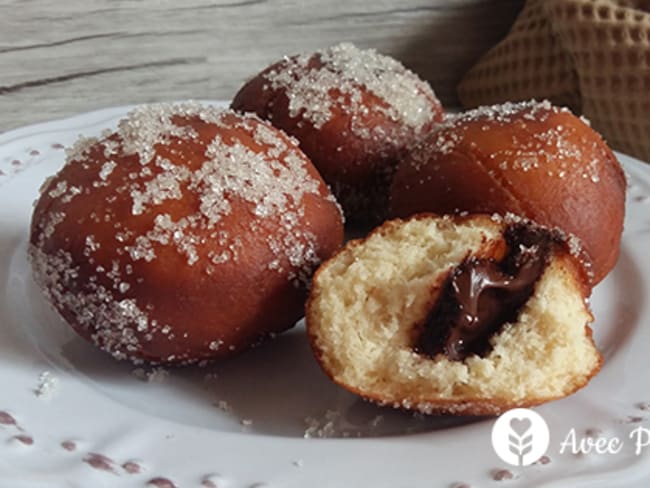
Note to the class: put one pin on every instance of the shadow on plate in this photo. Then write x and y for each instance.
(275, 389)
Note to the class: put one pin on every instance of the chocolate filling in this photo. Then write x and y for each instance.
(480, 295)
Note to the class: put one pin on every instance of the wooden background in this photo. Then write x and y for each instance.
(60, 57)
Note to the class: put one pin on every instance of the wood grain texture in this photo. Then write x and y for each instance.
(61, 58)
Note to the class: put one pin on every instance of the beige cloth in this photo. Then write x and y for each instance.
(591, 55)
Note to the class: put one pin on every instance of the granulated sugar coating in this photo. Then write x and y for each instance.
(309, 81)
(189, 226)
(524, 155)
(355, 113)
(528, 158)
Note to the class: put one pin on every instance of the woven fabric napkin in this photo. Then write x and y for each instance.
(590, 55)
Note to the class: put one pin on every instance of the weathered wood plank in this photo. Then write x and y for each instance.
(60, 58)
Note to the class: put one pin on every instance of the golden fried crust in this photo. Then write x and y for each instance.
(173, 276)
(531, 159)
(356, 136)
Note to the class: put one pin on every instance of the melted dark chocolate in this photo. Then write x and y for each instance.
(480, 295)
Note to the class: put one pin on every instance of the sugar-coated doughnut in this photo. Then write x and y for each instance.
(529, 158)
(187, 234)
(355, 113)
(465, 315)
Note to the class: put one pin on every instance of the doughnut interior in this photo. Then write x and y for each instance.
(367, 300)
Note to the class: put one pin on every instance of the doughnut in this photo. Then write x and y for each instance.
(187, 234)
(355, 113)
(468, 315)
(528, 158)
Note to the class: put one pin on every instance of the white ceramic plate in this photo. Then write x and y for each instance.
(91, 422)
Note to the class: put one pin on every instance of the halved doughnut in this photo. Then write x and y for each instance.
(465, 315)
